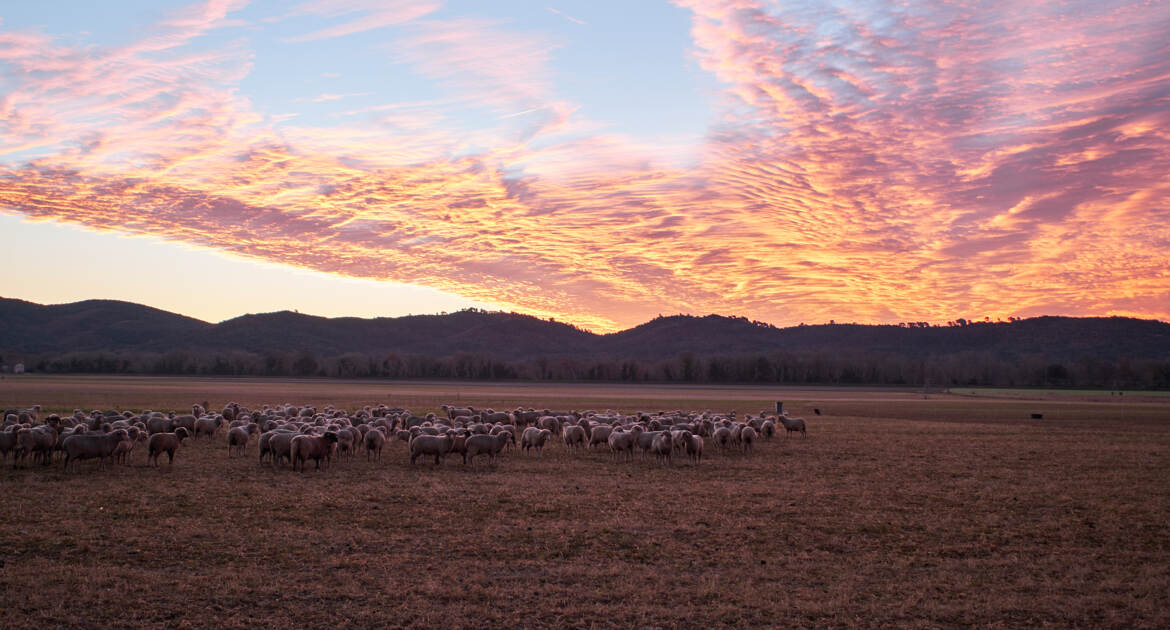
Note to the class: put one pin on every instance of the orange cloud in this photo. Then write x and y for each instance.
(884, 164)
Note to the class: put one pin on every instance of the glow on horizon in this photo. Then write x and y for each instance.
(197, 282)
(804, 161)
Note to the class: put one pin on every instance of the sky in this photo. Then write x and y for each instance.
(600, 163)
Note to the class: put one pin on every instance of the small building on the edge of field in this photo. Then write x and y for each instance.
(18, 368)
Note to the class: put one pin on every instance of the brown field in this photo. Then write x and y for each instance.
(895, 511)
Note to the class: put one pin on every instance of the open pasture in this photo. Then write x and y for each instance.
(894, 511)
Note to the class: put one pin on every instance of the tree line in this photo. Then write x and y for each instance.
(978, 369)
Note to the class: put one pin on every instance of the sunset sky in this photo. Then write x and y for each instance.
(596, 162)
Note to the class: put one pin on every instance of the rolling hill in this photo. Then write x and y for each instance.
(110, 325)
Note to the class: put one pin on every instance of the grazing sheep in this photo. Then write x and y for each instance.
(315, 447)
(573, 435)
(374, 441)
(165, 443)
(491, 444)
(768, 429)
(437, 445)
(87, 446)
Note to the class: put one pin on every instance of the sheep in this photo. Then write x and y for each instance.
(280, 446)
(452, 412)
(122, 452)
(207, 425)
(599, 435)
(374, 440)
(7, 443)
(437, 445)
(37, 441)
(722, 438)
(549, 422)
(573, 436)
(347, 440)
(695, 448)
(490, 444)
(525, 418)
(499, 417)
(645, 440)
(624, 442)
(792, 425)
(86, 446)
(500, 428)
(747, 439)
(768, 429)
(663, 446)
(534, 438)
(158, 425)
(187, 421)
(239, 437)
(312, 447)
(459, 442)
(264, 444)
(165, 443)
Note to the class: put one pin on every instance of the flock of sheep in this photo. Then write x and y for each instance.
(296, 434)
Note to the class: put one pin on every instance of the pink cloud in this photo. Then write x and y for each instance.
(372, 15)
(874, 162)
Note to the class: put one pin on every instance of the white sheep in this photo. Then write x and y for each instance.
(792, 425)
(534, 439)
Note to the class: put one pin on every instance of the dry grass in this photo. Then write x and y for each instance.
(894, 511)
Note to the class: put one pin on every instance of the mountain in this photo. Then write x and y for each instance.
(109, 325)
(92, 325)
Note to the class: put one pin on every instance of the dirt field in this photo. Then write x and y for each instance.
(895, 511)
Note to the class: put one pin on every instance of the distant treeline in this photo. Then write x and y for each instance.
(795, 368)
